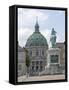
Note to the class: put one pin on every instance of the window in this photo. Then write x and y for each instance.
(43, 52)
(37, 53)
(41, 68)
(40, 62)
(32, 68)
(36, 68)
(54, 58)
(33, 63)
(37, 62)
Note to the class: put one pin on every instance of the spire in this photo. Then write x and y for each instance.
(36, 25)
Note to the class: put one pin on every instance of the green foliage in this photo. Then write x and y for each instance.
(27, 59)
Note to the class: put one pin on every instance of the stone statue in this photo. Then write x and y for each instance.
(53, 38)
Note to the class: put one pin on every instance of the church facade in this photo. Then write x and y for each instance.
(39, 53)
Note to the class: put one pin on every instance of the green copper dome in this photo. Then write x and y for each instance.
(36, 39)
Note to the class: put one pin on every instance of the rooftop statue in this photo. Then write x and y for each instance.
(53, 38)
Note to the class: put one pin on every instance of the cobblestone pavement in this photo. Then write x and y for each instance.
(39, 78)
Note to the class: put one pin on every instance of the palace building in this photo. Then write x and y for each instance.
(40, 55)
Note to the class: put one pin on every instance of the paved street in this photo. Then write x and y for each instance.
(39, 78)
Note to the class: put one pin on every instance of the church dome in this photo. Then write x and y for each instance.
(36, 39)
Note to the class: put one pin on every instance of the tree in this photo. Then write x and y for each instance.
(27, 61)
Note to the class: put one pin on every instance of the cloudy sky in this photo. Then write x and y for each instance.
(47, 20)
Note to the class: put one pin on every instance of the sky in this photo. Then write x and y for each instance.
(47, 19)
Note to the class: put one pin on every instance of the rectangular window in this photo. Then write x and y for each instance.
(43, 52)
(33, 63)
(32, 68)
(36, 68)
(41, 68)
(37, 62)
(37, 53)
(41, 62)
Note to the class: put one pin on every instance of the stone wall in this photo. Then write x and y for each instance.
(21, 63)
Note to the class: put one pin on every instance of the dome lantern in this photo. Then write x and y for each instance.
(36, 25)
(36, 39)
